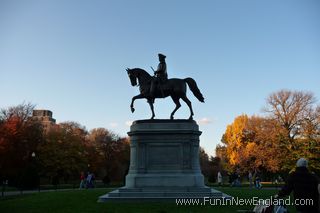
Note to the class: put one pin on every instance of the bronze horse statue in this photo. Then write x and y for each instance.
(174, 87)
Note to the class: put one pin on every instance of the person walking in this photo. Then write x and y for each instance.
(257, 180)
(82, 180)
(89, 180)
(250, 178)
(219, 178)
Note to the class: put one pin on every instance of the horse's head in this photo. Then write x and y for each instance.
(138, 75)
(132, 76)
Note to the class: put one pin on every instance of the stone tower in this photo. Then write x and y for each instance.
(45, 118)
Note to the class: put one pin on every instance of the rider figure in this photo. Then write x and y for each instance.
(160, 74)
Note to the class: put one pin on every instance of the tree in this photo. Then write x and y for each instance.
(62, 152)
(210, 166)
(22, 111)
(235, 140)
(250, 141)
(290, 109)
(221, 153)
(263, 144)
(296, 115)
(113, 152)
(204, 162)
(275, 142)
(19, 138)
(62, 155)
(308, 143)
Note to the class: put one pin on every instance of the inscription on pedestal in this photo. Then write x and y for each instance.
(164, 157)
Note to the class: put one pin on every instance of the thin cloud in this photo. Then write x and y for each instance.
(204, 121)
(113, 124)
(128, 123)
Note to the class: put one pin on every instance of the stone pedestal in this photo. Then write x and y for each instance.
(164, 163)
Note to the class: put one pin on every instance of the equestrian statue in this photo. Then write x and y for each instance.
(159, 86)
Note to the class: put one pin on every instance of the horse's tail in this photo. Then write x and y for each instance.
(194, 89)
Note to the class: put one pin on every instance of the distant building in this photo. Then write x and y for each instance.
(45, 118)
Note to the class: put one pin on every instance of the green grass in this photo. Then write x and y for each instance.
(246, 184)
(86, 201)
(98, 184)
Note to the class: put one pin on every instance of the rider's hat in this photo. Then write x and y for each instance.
(161, 56)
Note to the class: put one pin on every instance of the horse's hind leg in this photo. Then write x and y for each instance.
(188, 102)
(178, 105)
(150, 101)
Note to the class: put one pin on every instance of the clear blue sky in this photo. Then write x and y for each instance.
(70, 56)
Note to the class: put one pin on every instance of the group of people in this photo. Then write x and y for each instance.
(254, 179)
(235, 179)
(87, 181)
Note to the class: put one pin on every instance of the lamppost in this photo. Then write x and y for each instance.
(33, 155)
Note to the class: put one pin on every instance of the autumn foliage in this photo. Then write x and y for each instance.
(28, 154)
(289, 130)
(270, 143)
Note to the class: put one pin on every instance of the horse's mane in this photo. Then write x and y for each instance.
(142, 71)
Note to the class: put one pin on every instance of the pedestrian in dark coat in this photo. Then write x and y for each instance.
(304, 186)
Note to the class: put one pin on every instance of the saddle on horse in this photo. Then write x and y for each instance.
(158, 87)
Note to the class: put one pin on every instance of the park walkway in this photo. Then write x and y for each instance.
(24, 192)
(12, 193)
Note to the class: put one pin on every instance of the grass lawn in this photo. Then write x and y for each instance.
(86, 201)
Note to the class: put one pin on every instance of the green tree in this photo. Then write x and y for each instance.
(113, 153)
(63, 154)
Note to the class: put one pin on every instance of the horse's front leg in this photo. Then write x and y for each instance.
(133, 99)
